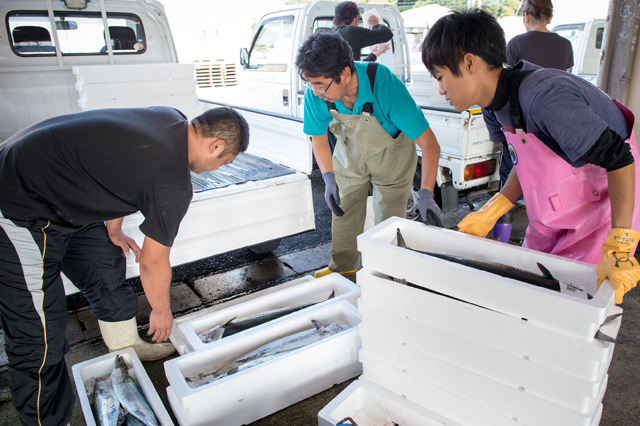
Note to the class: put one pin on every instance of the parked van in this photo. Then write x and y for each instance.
(586, 41)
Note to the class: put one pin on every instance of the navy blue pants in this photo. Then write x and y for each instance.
(34, 309)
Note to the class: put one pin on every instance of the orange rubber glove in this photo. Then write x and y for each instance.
(481, 222)
(617, 262)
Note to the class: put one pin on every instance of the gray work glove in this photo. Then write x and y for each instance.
(331, 195)
(429, 211)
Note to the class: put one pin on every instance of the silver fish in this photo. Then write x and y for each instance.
(105, 404)
(129, 420)
(269, 351)
(202, 380)
(285, 344)
(129, 395)
(234, 325)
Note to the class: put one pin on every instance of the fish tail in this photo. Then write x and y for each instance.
(400, 239)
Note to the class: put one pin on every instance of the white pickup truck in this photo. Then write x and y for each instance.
(269, 81)
(54, 60)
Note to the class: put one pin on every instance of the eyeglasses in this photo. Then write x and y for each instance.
(322, 92)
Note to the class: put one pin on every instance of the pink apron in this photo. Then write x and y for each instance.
(568, 207)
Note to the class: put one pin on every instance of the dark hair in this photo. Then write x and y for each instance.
(346, 12)
(539, 9)
(458, 33)
(226, 124)
(324, 55)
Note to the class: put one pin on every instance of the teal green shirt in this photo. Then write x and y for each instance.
(393, 106)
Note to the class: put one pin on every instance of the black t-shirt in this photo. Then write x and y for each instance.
(99, 165)
(548, 50)
(359, 37)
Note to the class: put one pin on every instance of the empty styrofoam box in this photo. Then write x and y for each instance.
(178, 101)
(370, 405)
(512, 401)
(586, 359)
(282, 395)
(316, 291)
(385, 334)
(324, 354)
(102, 366)
(90, 74)
(547, 308)
(454, 406)
(135, 89)
(179, 340)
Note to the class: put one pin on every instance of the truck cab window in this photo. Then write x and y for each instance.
(78, 33)
(271, 49)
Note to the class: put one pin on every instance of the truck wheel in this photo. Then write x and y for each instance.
(413, 212)
(266, 247)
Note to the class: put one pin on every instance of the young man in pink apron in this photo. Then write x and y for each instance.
(573, 148)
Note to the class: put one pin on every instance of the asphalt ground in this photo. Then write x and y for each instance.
(220, 278)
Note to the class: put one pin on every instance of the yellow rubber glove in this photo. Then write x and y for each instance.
(617, 262)
(481, 222)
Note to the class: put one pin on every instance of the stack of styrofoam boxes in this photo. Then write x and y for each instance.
(256, 392)
(496, 351)
(102, 367)
(137, 86)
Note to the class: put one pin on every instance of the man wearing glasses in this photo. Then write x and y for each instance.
(376, 122)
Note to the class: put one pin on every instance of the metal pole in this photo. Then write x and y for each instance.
(54, 30)
(107, 33)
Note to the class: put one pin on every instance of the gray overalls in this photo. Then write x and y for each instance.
(364, 154)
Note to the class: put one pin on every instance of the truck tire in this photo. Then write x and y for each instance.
(266, 247)
(413, 213)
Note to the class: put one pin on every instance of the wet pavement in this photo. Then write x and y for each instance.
(221, 278)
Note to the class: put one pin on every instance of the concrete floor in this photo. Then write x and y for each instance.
(621, 402)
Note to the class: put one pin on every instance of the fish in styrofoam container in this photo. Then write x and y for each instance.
(129, 395)
(275, 347)
(234, 325)
(104, 402)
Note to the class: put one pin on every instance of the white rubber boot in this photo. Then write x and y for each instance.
(124, 334)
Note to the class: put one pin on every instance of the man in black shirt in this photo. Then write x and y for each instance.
(67, 174)
(346, 24)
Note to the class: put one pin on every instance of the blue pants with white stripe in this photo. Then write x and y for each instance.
(34, 311)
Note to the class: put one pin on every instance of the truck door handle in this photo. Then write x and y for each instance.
(285, 97)
(300, 97)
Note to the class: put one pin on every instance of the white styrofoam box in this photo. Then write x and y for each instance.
(102, 366)
(136, 72)
(316, 291)
(547, 308)
(223, 220)
(179, 341)
(282, 395)
(510, 400)
(370, 405)
(586, 359)
(324, 354)
(450, 404)
(179, 102)
(135, 89)
(429, 396)
(380, 327)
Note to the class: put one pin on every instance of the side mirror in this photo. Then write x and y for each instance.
(244, 58)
